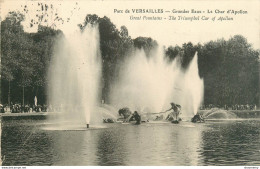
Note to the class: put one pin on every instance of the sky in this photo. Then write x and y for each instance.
(166, 32)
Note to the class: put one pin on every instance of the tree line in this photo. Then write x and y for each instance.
(230, 68)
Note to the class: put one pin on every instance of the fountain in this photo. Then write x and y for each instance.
(146, 84)
(193, 87)
(150, 84)
(217, 114)
(74, 77)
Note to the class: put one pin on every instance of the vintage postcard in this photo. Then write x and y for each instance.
(130, 83)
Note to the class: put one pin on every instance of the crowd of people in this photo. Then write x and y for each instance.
(230, 107)
(19, 108)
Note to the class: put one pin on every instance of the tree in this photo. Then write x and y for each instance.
(188, 53)
(173, 52)
(25, 58)
(230, 70)
(90, 19)
(11, 30)
(147, 44)
(44, 14)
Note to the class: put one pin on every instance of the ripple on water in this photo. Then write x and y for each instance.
(226, 143)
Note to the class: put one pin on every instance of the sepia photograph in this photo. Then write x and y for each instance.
(130, 83)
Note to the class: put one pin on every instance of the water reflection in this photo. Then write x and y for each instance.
(111, 147)
(229, 143)
(186, 144)
(68, 147)
(20, 143)
(149, 145)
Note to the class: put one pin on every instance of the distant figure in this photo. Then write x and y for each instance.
(2, 108)
(136, 117)
(174, 115)
(50, 108)
(26, 108)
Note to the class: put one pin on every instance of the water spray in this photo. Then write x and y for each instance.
(75, 74)
(154, 83)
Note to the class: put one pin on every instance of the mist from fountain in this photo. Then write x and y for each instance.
(193, 87)
(74, 76)
(150, 84)
(146, 84)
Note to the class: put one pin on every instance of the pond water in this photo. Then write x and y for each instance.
(226, 142)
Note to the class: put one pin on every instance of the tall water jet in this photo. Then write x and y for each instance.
(74, 76)
(145, 82)
(149, 84)
(193, 86)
